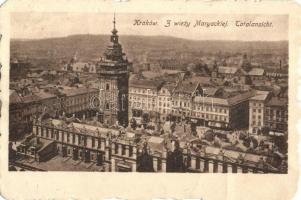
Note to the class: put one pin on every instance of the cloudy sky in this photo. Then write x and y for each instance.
(47, 25)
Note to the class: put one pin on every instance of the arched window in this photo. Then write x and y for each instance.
(107, 86)
(107, 106)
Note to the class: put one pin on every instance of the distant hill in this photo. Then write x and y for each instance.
(93, 46)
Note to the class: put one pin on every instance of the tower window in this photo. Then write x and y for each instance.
(107, 86)
(107, 106)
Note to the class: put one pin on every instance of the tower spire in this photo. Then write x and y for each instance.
(114, 31)
(114, 22)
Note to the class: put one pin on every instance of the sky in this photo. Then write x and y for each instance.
(36, 25)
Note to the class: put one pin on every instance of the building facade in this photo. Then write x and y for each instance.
(276, 115)
(143, 100)
(120, 151)
(257, 105)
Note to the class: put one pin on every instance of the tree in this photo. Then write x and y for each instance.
(265, 130)
(209, 136)
(133, 123)
(175, 160)
(145, 119)
(145, 161)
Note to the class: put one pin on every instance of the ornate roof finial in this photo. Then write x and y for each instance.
(114, 22)
(114, 31)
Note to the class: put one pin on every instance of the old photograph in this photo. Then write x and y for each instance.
(125, 92)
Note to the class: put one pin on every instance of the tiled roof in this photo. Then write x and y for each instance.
(260, 95)
(187, 87)
(224, 101)
(147, 84)
(275, 101)
(169, 86)
(210, 91)
(78, 91)
(240, 97)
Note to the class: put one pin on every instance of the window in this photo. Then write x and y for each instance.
(131, 151)
(98, 143)
(107, 86)
(93, 142)
(116, 148)
(79, 139)
(123, 150)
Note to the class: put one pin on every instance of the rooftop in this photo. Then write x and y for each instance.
(187, 87)
(146, 84)
(276, 101)
(260, 95)
(256, 72)
(227, 70)
(77, 91)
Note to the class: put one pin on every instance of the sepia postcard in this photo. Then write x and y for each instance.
(185, 98)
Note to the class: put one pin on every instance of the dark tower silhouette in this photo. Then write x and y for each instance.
(114, 81)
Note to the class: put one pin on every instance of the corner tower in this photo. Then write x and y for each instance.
(114, 83)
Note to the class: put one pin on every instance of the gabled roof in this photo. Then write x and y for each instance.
(187, 87)
(168, 86)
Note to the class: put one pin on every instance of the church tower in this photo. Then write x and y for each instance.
(113, 83)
